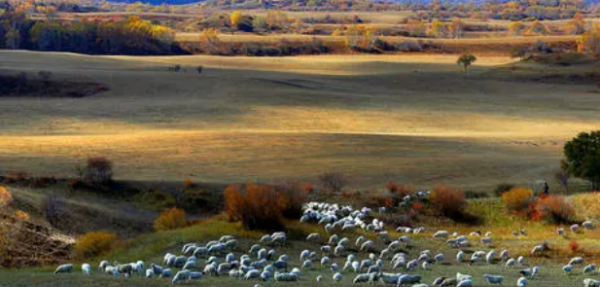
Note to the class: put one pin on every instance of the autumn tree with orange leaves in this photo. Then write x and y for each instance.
(256, 206)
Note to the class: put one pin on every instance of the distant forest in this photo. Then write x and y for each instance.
(133, 36)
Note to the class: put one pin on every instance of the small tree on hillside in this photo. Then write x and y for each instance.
(465, 60)
(582, 157)
(562, 176)
(333, 181)
(99, 171)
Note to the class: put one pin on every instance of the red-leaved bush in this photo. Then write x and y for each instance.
(449, 201)
(256, 206)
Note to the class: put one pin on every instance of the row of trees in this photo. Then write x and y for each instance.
(133, 36)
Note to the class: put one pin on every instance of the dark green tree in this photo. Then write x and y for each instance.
(582, 157)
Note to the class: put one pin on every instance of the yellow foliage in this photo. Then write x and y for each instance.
(516, 28)
(517, 199)
(170, 219)
(589, 42)
(22, 215)
(5, 198)
(94, 244)
(236, 18)
(587, 205)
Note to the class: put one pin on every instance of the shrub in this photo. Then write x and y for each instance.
(155, 198)
(449, 201)
(173, 218)
(188, 183)
(502, 188)
(99, 171)
(256, 206)
(5, 198)
(518, 199)
(93, 244)
(574, 246)
(554, 209)
(333, 181)
(296, 195)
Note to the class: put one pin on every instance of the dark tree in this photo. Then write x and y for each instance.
(333, 181)
(582, 157)
(98, 171)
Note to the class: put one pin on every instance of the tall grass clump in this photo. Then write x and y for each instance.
(587, 205)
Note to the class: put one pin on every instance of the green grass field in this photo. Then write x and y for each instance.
(414, 119)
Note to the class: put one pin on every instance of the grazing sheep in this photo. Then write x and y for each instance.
(522, 282)
(102, 265)
(449, 282)
(86, 269)
(149, 273)
(182, 275)
(537, 249)
(337, 277)
(567, 268)
(589, 268)
(493, 279)
(576, 260)
(285, 277)
(560, 231)
(443, 234)
(465, 283)
(313, 237)
(510, 262)
(486, 240)
(65, 268)
(460, 256)
(167, 273)
(408, 279)
(361, 278)
(574, 228)
(588, 282)
(438, 281)
(588, 225)
(252, 274)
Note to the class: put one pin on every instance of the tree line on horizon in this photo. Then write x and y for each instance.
(132, 36)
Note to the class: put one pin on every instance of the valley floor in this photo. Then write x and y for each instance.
(414, 119)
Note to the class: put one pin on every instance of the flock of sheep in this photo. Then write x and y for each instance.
(363, 258)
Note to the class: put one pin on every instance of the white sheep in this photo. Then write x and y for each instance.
(86, 269)
(493, 279)
(522, 282)
(65, 268)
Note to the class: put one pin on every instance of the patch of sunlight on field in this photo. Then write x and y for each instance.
(323, 65)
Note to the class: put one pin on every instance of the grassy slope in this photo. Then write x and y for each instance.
(414, 119)
(151, 248)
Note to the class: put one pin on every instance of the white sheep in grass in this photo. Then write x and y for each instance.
(462, 277)
(574, 228)
(361, 278)
(438, 281)
(167, 273)
(441, 234)
(493, 279)
(304, 255)
(149, 273)
(408, 279)
(65, 268)
(486, 240)
(313, 237)
(465, 283)
(285, 277)
(337, 277)
(319, 278)
(325, 261)
(588, 225)
(367, 246)
(86, 269)
(588, 282)
(567, 268)
(589, 268)
(560, 231)
(536, 249)
(576, 260)
(503, 254)
(489, 257)
(439, 258)
(306, 264)
(460, 256)
(182, 275)
(522, 282)
(510, 262)
(252, 274)
(412, 265)
(521, 260)
(102, 265)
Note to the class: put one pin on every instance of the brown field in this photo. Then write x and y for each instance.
(414, 119)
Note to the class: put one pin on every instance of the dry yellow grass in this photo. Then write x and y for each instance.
(414, 119)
